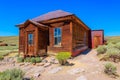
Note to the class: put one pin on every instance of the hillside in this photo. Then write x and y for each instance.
(10, 39)
(113, 39)
(4, 50)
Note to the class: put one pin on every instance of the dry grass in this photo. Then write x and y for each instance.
(4, 50)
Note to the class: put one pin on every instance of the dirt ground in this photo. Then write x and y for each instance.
(83, 67)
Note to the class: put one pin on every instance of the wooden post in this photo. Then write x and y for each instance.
(36, 41)
(71, 35)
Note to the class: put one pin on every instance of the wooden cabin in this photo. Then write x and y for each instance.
(97, 38)
(54, 32)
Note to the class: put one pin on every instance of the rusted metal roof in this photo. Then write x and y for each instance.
(52, 15)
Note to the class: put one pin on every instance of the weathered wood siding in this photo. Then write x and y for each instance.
(43, 42)
(80, 36)
(66, 40)
(21, 40)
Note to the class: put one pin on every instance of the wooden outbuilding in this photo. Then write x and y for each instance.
(97, 38)
(54, 32)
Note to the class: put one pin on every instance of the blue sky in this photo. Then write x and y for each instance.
(97, 14)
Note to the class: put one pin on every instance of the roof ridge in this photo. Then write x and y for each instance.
(52, 15)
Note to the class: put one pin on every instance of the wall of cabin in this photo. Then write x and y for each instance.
(66, 40)
(80, 36)
(21, 40)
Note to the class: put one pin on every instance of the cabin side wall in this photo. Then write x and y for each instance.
(21, 41)
(66, 39)
(80, 36)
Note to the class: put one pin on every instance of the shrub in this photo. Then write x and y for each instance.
(117, 46)
(20, 59)
(1, 58)
(27, 59)
(32, 60)
(14, 74)
(101, 49)
(62, 57)
(113, 52)
(38, 59)
(110, 45)
(110, 69)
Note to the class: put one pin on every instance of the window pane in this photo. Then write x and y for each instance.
(59, 40)
(30, 39)
(57, 36)
(56, 41)
(59, 32)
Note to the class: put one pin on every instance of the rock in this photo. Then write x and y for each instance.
(26, 78)
(95, 72)
(76, 71)
(52, 60)
(26, 64)
(56, 62)
(40, 64)
(36, 75)
(3, 44)
(55, 70)
(11, 59)
(21, 64)
(81, 78)
(47, 64)
(44, 61)
(42, 58)
(6, 60)
(12, 44)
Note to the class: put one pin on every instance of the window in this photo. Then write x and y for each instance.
(57, 36)
(30, 39)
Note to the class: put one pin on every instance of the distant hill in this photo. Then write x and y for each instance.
(10, 39)
(113, 39)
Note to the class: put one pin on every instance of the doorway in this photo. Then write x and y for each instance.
(30, 43)
(96, 41)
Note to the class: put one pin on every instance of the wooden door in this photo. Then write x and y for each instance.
(96, 41)
(30, 43)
